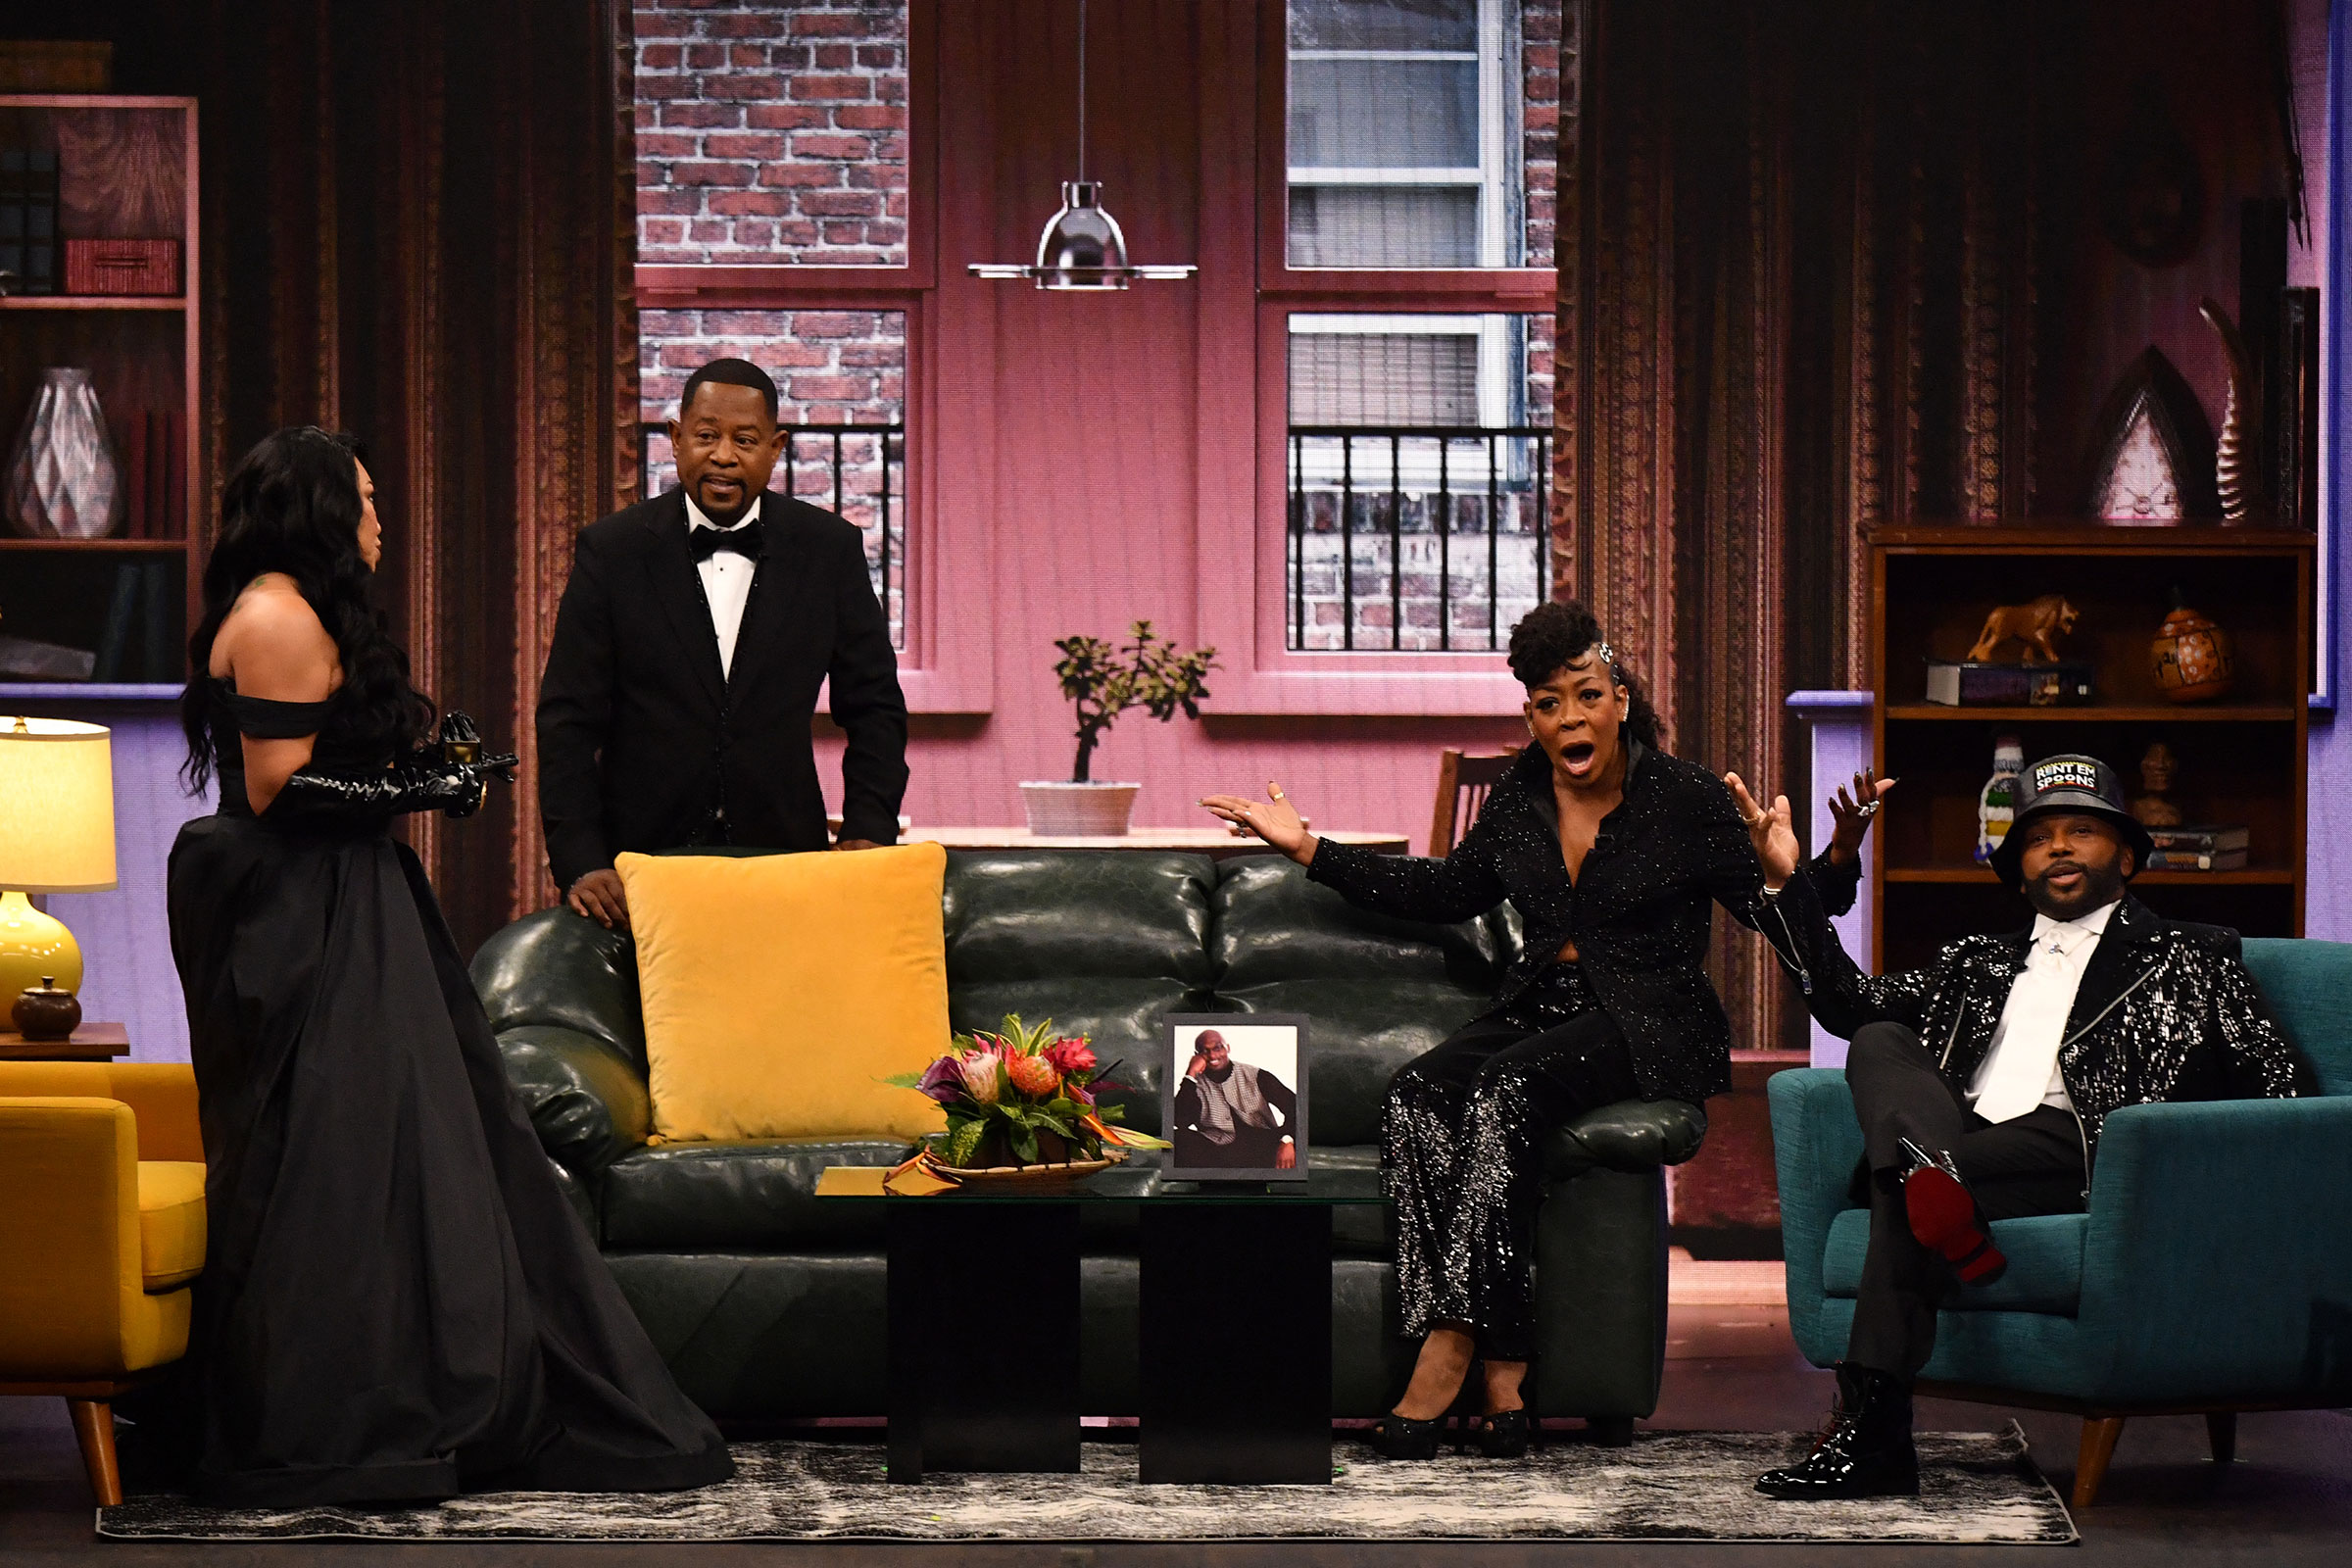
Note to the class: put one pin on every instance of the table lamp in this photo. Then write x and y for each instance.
(57, 835)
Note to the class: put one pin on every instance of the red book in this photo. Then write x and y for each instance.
(133, 471)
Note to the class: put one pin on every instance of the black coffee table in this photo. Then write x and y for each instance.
(1233, 1340)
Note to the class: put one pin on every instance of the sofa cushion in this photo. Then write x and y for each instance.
(1104, 944)
(171, 1222)
(1270, 923)
(743, 1195)
(780, 990)
(1378, 990)
(2045, 1263)
(2309, 985)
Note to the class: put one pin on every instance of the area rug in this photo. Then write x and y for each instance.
(1975, 1487)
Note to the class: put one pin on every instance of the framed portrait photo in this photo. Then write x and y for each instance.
(1233, 1095)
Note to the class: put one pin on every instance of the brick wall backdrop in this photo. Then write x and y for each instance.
(771, 132)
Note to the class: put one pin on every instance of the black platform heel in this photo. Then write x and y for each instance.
(1505, 1435)
(1402, 1437)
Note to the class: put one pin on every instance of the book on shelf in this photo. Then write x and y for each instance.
(39, 272)
(133, 449)
(163, 660)
(114, 636)
(12, 214)
(2201, 838)
(172, 524)
(2197, 860)
(1967, 683)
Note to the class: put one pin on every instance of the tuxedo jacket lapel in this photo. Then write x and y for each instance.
(2115, 963)
(675, 584)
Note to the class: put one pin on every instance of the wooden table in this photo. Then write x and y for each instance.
(92, 1041)
(1214, 842)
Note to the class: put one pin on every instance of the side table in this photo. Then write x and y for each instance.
(1234, 1337)
(92, 1041)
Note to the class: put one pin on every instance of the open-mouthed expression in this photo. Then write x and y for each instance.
(2072, 863)
(726, 445)
(1575, 716)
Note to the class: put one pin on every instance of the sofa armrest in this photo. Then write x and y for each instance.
(70, 1231)
(1814, 1143)
(2218, 1259)
(1632, 1135)
(587, 1100)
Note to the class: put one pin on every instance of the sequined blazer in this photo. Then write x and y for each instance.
(1637, 909)
(2166, 1011)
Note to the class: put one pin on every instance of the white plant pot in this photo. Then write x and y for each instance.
(1078, 810)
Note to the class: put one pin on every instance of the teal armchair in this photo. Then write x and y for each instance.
(2212, 1275)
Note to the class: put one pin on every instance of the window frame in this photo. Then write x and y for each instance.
(943, 669)
(1248, 521)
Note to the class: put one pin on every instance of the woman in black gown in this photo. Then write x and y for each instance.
(398, 1302)
(1613, 851)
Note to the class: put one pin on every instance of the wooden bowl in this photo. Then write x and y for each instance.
(1001, 1178)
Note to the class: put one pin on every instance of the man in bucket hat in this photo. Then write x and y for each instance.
(1981, 1080)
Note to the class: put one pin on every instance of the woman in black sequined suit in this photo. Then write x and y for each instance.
(1613, 853)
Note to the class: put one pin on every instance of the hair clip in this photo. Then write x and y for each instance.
(1608, 655)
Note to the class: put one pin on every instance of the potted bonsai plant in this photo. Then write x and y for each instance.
(1102, 681)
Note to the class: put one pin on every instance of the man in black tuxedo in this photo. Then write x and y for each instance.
(1983, 1080)
(688, 653)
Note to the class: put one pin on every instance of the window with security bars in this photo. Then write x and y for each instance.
(1418, 470)
(1422, 138)
(841, 377)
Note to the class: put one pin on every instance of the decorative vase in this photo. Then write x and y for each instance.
(44, 1012)
(63, 481)
(2191, 655)
(1078, 810)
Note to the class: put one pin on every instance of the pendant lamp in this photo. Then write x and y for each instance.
(1082, 246)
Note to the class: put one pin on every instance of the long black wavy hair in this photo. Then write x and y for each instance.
(1554, 635)
(293, 504)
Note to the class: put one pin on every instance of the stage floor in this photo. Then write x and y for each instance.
(2286, 1501)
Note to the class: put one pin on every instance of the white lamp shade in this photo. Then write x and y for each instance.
(57, 807)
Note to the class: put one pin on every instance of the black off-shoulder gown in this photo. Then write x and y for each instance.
(398, 1301)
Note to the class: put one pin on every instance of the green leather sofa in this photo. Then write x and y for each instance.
(767, 1302)
(2212, 1274)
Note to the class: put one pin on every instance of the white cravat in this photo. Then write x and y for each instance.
(2021, 1070)
(726, 582)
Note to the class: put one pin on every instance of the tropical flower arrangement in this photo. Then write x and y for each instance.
(1024, 1095)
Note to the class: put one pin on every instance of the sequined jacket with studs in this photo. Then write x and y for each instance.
(2166, 1011)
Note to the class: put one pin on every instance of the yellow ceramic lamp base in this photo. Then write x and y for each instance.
(33, 944)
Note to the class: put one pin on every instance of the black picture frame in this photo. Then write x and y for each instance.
(1251, 1036)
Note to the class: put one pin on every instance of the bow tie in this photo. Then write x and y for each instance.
(743, 539)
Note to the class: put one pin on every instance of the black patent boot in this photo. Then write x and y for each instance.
(1867, 1452)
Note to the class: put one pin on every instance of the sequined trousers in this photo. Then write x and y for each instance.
(1461, 1154)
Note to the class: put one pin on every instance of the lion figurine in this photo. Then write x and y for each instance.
(2037, 625)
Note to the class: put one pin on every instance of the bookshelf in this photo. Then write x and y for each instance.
(127, 169)
(2241, 758)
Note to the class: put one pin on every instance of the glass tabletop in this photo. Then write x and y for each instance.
(1138, 1181)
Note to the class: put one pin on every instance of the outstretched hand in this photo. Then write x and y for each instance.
(1770, 830)
(1273, 820)
(1853, 815)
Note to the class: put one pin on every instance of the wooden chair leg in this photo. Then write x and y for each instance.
(94, 1429)
(2220, 1427)
(2091, 1463)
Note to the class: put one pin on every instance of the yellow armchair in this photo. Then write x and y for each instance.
(101, 1230)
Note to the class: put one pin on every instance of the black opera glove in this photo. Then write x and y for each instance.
(320, 797)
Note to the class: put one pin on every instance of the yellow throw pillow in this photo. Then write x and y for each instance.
(779, 988)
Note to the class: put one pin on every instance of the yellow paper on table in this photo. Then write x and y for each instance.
(779, 989)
